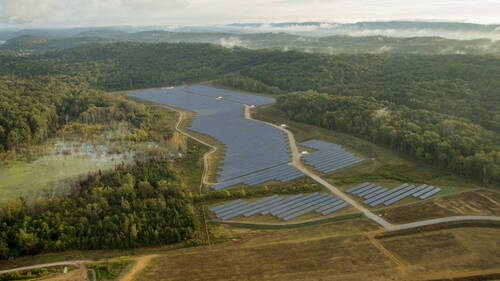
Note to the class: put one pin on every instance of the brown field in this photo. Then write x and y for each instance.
(335, 251)
(345, 250)
(454, 250)
(480, 202)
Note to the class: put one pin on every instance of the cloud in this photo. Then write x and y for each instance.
(196, 12)
(231, 42)
(83, 12)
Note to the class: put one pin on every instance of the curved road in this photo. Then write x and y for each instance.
(213, 149)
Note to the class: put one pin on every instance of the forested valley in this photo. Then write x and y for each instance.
(442, 109)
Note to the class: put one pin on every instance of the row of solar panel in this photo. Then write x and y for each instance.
(233, 96)
(375, 195)
(329, 157)
(285, 209)
(250, 146)
(282, 173)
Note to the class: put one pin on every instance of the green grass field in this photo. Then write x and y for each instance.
(46, 175)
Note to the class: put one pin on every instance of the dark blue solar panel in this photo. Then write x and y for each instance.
(404, 195)
(369, 191)
(228, 95)
(352, 189)
(383, 194)
(370, 186)
(217, 208)
(380, 191)
(280, 207)
(336, 202)
(319, 200)
(287, 202)
(430, 193)
(316, 205)
(336, 208)
(425, 190)
(250, 146)
(329, 157)
(392, 195)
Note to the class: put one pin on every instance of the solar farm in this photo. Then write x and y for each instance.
(255, 152)
(329, 157)
(283, 208)
(375, 195)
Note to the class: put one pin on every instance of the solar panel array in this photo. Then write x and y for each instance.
(329, 157)
(250, 146)
(375, 195)
(227, 95)
(282, 173)
(280, 207)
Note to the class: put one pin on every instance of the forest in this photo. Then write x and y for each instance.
(31, 42)
(138, 206)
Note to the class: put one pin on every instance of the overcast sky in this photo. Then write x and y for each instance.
(196, 12)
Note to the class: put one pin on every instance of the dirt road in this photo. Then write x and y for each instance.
(141, 263)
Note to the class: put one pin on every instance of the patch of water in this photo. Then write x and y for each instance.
(99, 153)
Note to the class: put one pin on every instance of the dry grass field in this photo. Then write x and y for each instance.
(335, 251)
(479, 202)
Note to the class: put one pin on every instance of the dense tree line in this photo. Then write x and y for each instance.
(143, 205)
(120, 66)
(460, 85)
(454, 143)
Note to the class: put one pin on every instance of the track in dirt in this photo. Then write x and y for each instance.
(141, 263)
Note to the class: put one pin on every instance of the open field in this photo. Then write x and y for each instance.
(48, 174)
(449, 251)
(478, 202)
(335, 251)
(341, 250)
